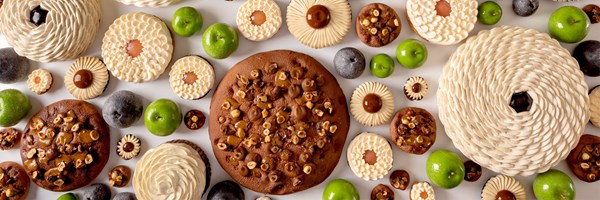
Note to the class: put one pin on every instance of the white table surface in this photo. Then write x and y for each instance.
(224, 11)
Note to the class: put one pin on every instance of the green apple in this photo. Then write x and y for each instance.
(14, 105)
(489, 13)
(186, 21)
(411, 53)
(67, 196)
(340, 189)
(553, 184)
(382, 65)
(569, 24)
(162, 117)
(445, 169)
(220, 41)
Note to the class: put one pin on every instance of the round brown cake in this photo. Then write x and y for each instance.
(278, 122)
(65, 145)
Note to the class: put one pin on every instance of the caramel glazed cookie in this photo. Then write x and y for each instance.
(279, 122)
(50, 31)
(65, 145)
(14, 182)
(377, 25)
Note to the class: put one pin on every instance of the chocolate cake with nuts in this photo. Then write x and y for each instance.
(65, 145)
(14, 182)
(278, 122)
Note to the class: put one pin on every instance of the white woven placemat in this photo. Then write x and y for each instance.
(475, 91)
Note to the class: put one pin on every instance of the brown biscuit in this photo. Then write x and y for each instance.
(413, 130)
(65, 145)
(14, 182)
(9, 138)
(377, 25)
(202, 155)
(278, 122)
(584, 159)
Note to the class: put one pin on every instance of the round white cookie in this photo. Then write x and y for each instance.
(437, 28)
(192, 77)
(339, 20)
(370, 156)
(259, 20)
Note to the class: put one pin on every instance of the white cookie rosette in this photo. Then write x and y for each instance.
(370, 142)
(268, 28)
(436, 29)
(203, 77)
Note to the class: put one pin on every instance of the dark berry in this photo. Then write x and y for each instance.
(525, 8)
(13, 67)
(587, 54)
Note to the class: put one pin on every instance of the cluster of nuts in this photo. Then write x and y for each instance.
(593, 12)
(473, 171)
(6, 189)
(382, 192)
(415, 130)
(589, 162)
(378, 24)
(400, 179)
(119, 176)
(9, 137)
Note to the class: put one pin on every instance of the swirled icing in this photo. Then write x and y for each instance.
(70, 28)
(420, 188)
(201, 86)
(39, 81)
(333, 33)
(148, 3)
(595, 106)
(172, 171)
(442, 30)
(379, 145)
(499, 183)
(265, 30)
(100, 78)
(156, 53)
(372, 119)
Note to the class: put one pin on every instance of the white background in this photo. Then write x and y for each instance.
(223, 11)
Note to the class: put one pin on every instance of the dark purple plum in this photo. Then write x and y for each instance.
(122, 109)
(13, 67)
(525, 8)
(349, 63)
(587, 54)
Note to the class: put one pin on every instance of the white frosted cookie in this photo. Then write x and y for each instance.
(415, 88)
(39, 81)
(513, 100)
(372, 104)
(595, 106)
(503, 187)
(137, 47)
(148, 3)
(86, 78)
(370, 156)
(422, 191)
(259, 20)
(50, 31)
(192, 77)
(319, 23)
(444, 22)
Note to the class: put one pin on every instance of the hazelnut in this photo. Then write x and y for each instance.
(291, 169)
(373, 31)
(366, 22)
(273, 176)
(58, 120)
(240, 94)
(240, 133)
(222, 146)
(266, 132)
(585, 156)
(280, 119)
(265, 113)
(59, 182)
(304, 157)
(250, 142)
(266, 125)
(308, 168)
(385, 32)
(226, 105)
(327, 105)
(309, 105)
(309, 85)
(31, 153)
(271, 68)
(295, 139)
(275, 149)
(243, 170)
(301, 134)
(235, 113)
(243, 81)
(256, 173)
(79, 163)
(285, 155)
(374, 19)
(296, 181)
(585, 165)
(318, 113)
(251, 165)
(10, 192)
(591, 177)
(89, 159)
(376, 13)
(239, 153)
(267, 138)
(233, 141)
(255, 74)
(396, 22)
(333, 128)
(321, 144)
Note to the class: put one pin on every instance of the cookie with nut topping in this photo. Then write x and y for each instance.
(65, 145)
(378, 25)
(413, 130)
(278, 122)
(584, 159)
(14, 182)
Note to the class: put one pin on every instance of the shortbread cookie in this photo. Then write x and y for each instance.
(50, 31)
(372, 104)
(137, 47)
(595, 106)
(378, 25)
(39, 81)
(370, 156)
(129, 147)
(192, 77)
(259, 20)
(86, 78)
(148, 3)
(503, 187)
(443, 22)
(501, 102)
(319, 23)
(415, 88)
(421, 191)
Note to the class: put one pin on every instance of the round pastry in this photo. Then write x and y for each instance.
(65, 145)
(317, 23)
(503, 187)
(372, 104)
(50, 31)
(400, 179)
(595, 106)
(421, 191)
(259, 20)
(192, 77)
(443, 22)
(413, 130)
(194, 119)
(473, 171)
(178, 169)
(14, 182)
(510, 109)
(278, 122)
(119, 176)
(148, 3)
(377, 25)
(415, 88)
(584, 158)
(129, 147)
(137, 47)
(370, 156)
(86, 78)
(382, 192)
(9, 138)
(97, 191)
(39, 81)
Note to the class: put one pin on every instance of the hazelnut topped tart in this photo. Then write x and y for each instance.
(319, 23)
(259, 20)
(87, 78)
(14, 182)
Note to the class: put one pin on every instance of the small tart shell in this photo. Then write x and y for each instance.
(99, 82)
(127, 155)
(157, 47)
(205, 77)
(339, 23)
(418, 95)
(264, 31)
(502, 182)
(44, 81)
(380, 146)
(421, 187)
(595, 106)
(372, 119)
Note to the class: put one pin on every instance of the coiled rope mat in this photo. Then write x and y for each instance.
(69, 30)
(475, 91)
